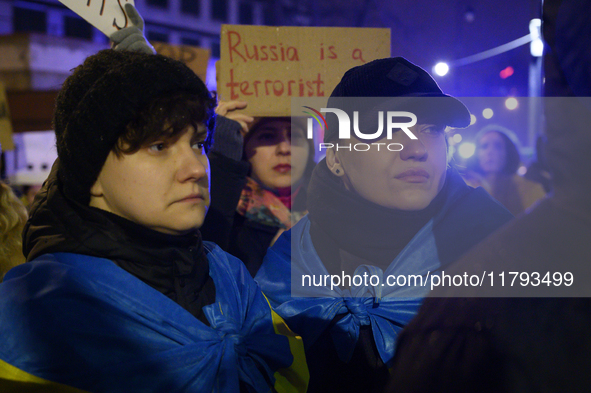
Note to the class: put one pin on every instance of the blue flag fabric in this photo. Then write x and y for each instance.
(83, 322)
(309, 316)
(467, 217)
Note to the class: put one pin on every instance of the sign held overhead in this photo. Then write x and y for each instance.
(106, 15)
(267, 66)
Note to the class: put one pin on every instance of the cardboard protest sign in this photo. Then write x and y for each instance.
(192, 56)
(267, 66)
(5, 125)
(106, 15)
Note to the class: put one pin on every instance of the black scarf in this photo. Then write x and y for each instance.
(343, 220)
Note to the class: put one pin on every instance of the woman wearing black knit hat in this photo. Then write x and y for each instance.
(386, 212)
(119, 292)
(260, 172)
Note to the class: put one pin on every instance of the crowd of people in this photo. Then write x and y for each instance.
(166, 249)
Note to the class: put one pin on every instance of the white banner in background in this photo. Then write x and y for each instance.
(106, 15)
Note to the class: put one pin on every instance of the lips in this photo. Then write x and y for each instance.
(282, 168)
(192, 198)
(413, 176)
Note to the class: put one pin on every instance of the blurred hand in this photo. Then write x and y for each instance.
(132, 38)
(229, 109)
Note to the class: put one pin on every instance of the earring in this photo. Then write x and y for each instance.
(338, 171)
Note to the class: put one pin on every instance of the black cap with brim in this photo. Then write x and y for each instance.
(411, 87)
(440, 109)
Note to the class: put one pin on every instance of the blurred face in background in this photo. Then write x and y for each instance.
(278, 153)
(492, 153)
(408, 179)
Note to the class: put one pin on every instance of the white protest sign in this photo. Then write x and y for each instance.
(106, 15)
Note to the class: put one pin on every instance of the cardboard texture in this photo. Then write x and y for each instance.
(5, 126)
(194, 57)
(267, 66)
(106, 15)
(31, 110)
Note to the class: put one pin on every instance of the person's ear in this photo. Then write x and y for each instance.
(334, 163)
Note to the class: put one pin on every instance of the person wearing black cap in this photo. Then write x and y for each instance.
(378, 212)
(119, 292)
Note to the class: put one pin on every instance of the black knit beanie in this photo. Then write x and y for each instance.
(98, 101)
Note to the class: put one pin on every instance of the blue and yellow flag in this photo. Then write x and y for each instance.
(74, 323)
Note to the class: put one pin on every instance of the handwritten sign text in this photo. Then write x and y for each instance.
(267, 66)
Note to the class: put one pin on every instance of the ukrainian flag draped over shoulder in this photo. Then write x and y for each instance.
(467, 216)
(309, 316)
(85, 323)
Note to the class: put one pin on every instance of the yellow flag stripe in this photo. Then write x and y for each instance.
(15, 380)
(295, 378)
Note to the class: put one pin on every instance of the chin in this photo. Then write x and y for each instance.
(187, 224)
(181, 230)
(414, 202)
(279, 184)
(412, 206)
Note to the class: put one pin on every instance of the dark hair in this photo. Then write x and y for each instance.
(512, 158)
(167, 116)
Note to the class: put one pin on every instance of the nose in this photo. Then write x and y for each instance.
(192, 165)
(413, 149)
(284, 145)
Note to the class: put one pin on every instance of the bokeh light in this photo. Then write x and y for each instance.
(487, 113)
(511, 103)
(441, 69)
(466, 149)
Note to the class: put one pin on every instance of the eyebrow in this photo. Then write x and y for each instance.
(171, 135)
(201, 132)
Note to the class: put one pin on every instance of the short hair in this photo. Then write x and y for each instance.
(167, 116)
